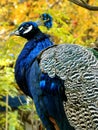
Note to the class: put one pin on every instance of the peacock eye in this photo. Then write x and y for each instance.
(26, 26)
(27, 29)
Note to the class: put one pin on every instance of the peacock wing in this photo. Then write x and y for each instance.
(78, 68)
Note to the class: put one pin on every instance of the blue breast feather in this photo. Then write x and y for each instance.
(27, 56)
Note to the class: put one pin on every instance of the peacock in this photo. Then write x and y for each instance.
(61, 79)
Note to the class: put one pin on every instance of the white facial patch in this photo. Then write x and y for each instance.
(28, 30)
(20, 28)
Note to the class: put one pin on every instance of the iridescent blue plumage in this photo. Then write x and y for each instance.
(46, 92)
(48, 20)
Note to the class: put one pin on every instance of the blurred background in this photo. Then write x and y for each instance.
(71, 24)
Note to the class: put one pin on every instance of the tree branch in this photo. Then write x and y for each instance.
(84, 4)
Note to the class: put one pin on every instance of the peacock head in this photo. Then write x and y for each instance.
(26, 30)
(29, 29)
(45, 20)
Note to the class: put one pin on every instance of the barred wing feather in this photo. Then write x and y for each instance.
(78, 68)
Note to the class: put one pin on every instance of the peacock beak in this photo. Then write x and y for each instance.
(16, 32)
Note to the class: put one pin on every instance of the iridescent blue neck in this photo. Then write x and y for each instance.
(30, 51)
(33, 48)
